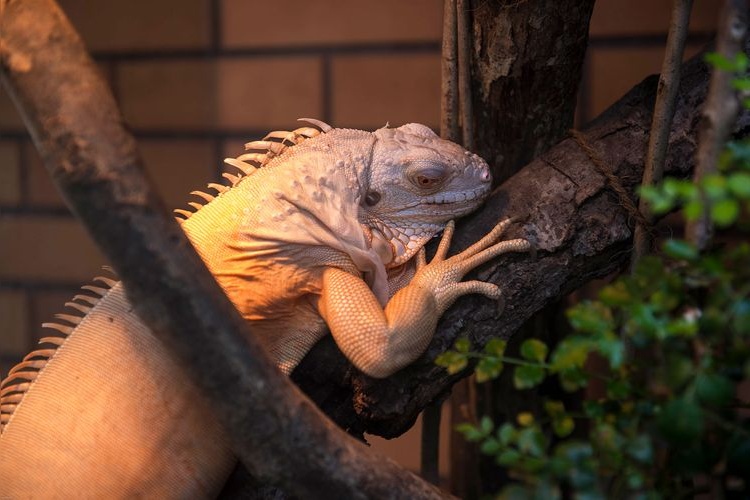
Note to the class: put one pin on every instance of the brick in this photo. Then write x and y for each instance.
(127, 25)
(10, 173)
(175, 94)
(633, 17)
(370, 91)
(42, 191)
(615, 71)
(14, 328)
(267, 93)
(302, 22)
(53, 249)
(9, 117)
(178, 167)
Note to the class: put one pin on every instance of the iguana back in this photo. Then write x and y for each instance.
(323, 236)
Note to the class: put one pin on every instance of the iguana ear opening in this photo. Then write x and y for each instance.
(372, 198)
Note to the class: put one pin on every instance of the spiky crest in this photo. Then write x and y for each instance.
(261, 152)
(22, 376)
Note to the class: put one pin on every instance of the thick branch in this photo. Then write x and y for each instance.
(581, 232)
(276, 431)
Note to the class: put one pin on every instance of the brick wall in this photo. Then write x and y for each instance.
(196, 78)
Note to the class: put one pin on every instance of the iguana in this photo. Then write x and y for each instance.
(323, 229)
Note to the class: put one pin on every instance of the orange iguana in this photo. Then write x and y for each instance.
(327, 236)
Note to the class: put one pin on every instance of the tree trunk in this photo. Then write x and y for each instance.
(526, 69)
(526, 66)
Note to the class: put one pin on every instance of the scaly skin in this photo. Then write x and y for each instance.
(328, 234)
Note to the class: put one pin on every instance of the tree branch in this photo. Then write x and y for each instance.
(719, 111)
(73, 119)
(580, 229)
(661, 124)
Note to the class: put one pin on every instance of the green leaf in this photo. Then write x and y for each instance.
(531, 441)
(659, 200)
(488, 368)
(719, 61)
(563, 426)
(470, 432)
(534, 350)
(679, 369)
(640, 449)
(496, 347)
(724, 212)
(616, 294)
(486, 425)
(713, 390)
(741, 317)
(526, 377)
(693, 209)
(490, 446)
(571, 352)
(741, 84)
(614, 350)
(618, 389)
(715, 186)
(508, 457)
(525, 418)
(591, 317)
(683, 327)
(554, 408)
(506, 433)
(739, 184)
(681, 421)
(740, 62)
(680, 249)
(452, 361)
(593, 409)
(573, 379)
(462, 345)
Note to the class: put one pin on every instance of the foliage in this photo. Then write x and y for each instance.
(674, 338)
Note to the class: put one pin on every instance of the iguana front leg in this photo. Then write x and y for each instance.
(381, 341)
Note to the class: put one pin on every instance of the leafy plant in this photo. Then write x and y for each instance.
(674, 338)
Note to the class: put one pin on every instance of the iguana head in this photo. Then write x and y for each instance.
(417, 183)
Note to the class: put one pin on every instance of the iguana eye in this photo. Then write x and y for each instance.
(428, 178)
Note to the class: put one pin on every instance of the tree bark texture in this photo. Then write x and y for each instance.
(578, 226)
(279, 434)
(527, 61)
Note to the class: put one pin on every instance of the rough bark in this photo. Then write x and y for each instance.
(578, 226)
(279, 434)
(527, 65)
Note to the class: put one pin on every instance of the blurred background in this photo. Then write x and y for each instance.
(196, 79)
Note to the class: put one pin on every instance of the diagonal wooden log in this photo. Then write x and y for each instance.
(581, 230)
(278, 434)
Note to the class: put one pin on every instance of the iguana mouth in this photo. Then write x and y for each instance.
(452, 198)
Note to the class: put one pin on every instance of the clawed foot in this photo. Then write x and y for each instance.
(443, 275)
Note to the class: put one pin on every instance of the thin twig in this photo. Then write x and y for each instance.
(464, 73)
(449, 68)
(661, 124)
(719, 112)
